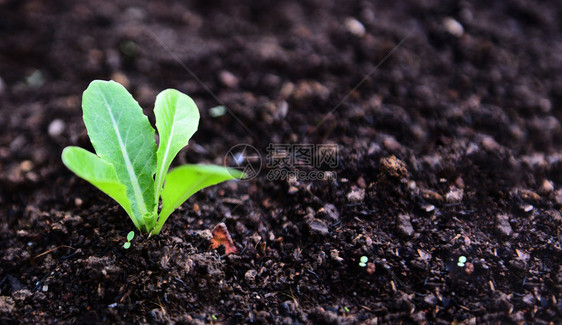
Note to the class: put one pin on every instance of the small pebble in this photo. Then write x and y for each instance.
(454, 195)
(529, 195)
(405, 227)
(318, 227)
(120, 78)
(36, 79)
(293, 189)
(217, 111)
(330, 212)
(502, 225)
(430, 299)
(356, 195)
(251, 275)
(361, 182)
(371, 268)
(26, 166)
(394, 167)
(355, 27)
(228, 79)
(56, 127)
(529, 299)
(547, 186)
(334, 254)
(453, 27)
(21, 294)
(431, 196)
(490, 144)
(428, 207)
(469, 268)
(282, 110)
(7, 304)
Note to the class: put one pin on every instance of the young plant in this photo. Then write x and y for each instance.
(128, 166)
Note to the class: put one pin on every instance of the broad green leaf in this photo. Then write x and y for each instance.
(99, 173)
(184, 181)
(177, 119)
(122, 136)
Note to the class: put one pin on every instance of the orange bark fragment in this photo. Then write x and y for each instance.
(222, 237)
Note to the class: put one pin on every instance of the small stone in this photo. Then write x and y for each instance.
(355, 27)
(502, 225)
(489, 144)
(547, 186)
(205, 234)
(361, 182)
(56, 127)
(251, 275)
(78, 202)
(405, 227)
(330, 212)
(282, 110)
(134, 13)
(36, 79)
(307, 89)
(121, 78)
(318, 227)
(391, 144)
(453, 27)
(6, 304)
(428, 207)
(228, 79)
(558, 196)
(217, 111)
(529, 299)
(286, 90)
(431, 196)
(394, 167)
(356, 195)
(334, 254)
(371, 268)
(469, 268)
(430, 299)
(20, 295)
(529, 195)
(454, 195)
(26, 166)
(545, 105)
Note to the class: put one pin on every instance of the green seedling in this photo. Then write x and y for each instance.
(461, 262)
(128, 166)
(363, 261)
(130, 237)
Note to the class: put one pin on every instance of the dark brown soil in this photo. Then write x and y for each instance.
(452, 147)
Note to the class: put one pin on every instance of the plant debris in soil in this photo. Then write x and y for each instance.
(445, 208)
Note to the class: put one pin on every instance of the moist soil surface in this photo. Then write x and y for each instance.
(446, 117)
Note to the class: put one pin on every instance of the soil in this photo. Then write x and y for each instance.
(447, 120)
